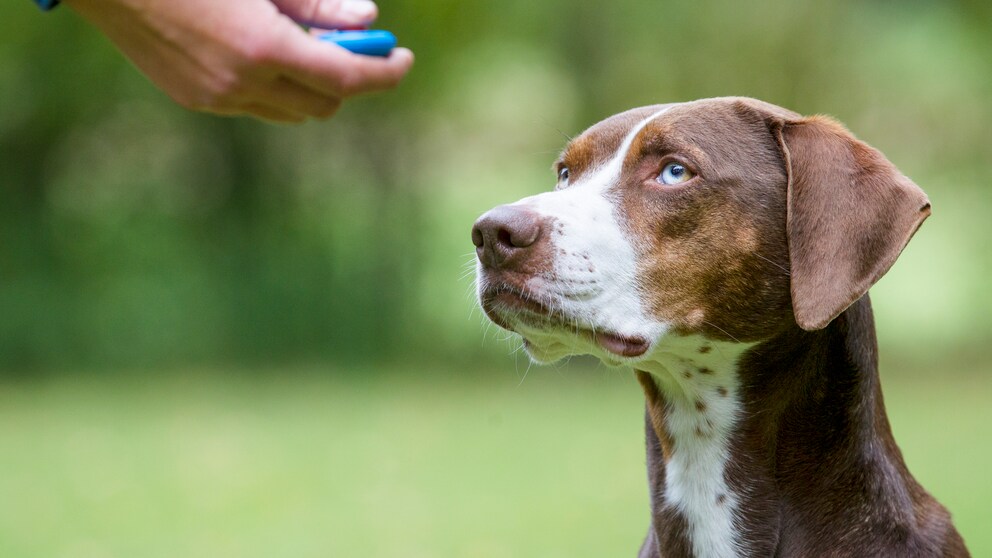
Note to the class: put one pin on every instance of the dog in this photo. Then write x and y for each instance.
(723, 249)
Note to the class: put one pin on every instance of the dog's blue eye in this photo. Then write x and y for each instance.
(674, 173)
(563, 175)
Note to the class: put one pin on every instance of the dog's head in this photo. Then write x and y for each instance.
(725, 218)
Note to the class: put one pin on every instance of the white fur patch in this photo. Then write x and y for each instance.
(595, 265)
(703, 408)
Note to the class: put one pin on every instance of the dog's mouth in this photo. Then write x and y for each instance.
(520, 311)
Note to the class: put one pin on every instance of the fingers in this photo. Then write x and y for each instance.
(330, 14)
(260, 111)
(273, 114)
(286, 101)
(297, 98)
(332, 70)
(280, 100)
(289, 76)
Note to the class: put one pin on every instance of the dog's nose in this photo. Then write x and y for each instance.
(505, 232)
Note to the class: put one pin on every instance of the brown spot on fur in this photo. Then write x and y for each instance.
(705, 349)
(706, 371)
(700, 405)
(721, 499)
(687, 374)
(696, 318)
(722, 391)
(747, 238)
(701, 433)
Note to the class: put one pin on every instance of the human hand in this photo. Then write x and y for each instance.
(247, 57)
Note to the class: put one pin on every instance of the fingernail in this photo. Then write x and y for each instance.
(359, 9)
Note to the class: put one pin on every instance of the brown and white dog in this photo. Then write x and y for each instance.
(723, 249)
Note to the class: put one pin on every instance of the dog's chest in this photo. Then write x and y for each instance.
(698, 386)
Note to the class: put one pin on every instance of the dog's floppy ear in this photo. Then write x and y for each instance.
(850, 214)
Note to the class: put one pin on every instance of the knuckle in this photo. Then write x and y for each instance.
(219, 93)
(224, 87)
(258, 48)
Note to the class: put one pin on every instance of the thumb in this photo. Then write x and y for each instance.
(330, 14)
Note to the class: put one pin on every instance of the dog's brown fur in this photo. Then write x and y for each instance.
(775, 241)
(766, 251)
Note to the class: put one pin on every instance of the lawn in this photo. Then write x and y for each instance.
(404, 463)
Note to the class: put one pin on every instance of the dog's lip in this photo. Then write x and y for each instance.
(614, 343)
(520, 300)
(630, 347)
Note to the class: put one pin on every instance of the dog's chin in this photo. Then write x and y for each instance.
(550, 336)
(546, 353)
(549, 347)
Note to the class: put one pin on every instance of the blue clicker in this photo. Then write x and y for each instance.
(370, 42)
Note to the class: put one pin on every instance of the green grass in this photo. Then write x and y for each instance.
(412, 463)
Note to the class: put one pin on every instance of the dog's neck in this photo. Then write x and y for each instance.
(755, 449)
(694, 409)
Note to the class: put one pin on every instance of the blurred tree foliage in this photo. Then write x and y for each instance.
(136, 234)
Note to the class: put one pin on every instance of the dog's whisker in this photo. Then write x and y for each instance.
(567, 137)
(721, 330)
(784, 269)
(526, 372)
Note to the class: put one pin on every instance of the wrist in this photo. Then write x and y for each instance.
(46, 4)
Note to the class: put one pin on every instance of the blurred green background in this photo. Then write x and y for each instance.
(224, 338)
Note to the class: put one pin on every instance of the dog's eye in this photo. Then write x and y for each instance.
(563, 175)
(674, 173)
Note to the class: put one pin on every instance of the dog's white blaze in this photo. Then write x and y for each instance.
(695, 482)
(594, 260)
